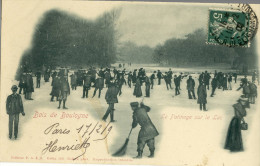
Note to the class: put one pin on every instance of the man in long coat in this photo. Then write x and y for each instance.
(73, 81)
(225, 82)
(148, 131)
(152, 77)
(207, 78)
(99, 85)
(214, 84)
(111, 99)
(38, 79)
(253, 92)
(55, 87)
(159, 76)
(29, 86)
(86, 84)
(129, 79)
(64, 91)
(167, 79)
(107, 77)
(22, 83)
(202, 96)
(134, 76)
(137, 89)
(190, 87)
(177, 85)
(147, 86)
(14, 106)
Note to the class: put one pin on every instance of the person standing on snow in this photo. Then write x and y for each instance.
(148, 131)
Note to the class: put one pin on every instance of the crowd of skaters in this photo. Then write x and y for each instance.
(101, 78)
(114, 79)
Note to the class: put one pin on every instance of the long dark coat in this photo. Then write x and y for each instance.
(137, 89)
(87, 81)
(207, 78)
(202, 94)
(234, 138)
(22, 82)
(64, 86)
(253, 90)
(55, 87)
(190, 84)
(148, 130)
(134, 77)
(29, 83)
(73, 79)
(246, 90)
(99, 83)
(107, 77)
(224, 83)
(111, 94)
(214, 83)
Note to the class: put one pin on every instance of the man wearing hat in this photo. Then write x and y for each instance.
(38, 79)
(86, 84)
(55, 87)
(202, 96)
(111, 99)
(177, 85)
(148, 131)
(99, 85)
(147, 86)
(129, 79)
(159, 76)
(152, 77)
(190, 87)
(214, 84)
(22, 83)
(14, 106)
(134, 76)
(167, 80)
(73, 81)
(107, 77)
(64, 91)
(29, 86)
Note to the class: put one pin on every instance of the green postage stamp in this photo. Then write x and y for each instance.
(228, 27)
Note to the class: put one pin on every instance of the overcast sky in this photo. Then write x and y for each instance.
(153, 24)
(145, 23)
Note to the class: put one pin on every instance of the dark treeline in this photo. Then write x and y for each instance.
(130, 52)
(62, 39)
(193, 51)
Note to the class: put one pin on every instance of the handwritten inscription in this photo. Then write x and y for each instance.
(89, 132)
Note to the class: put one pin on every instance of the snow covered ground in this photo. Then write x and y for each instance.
(188, 136)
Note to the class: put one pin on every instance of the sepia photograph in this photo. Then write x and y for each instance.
(130, 83)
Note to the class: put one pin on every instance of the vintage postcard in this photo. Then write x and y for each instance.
(130, 83)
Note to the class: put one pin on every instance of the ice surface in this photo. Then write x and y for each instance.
(203, 140)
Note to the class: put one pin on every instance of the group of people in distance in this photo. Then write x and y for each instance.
(114, 79)
(101, 78)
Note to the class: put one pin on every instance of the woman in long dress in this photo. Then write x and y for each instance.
(137, 89)
(202, 96)
(234, 141)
